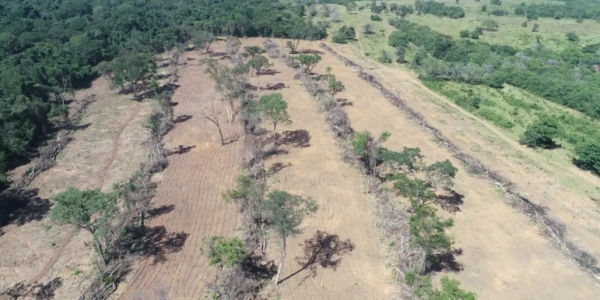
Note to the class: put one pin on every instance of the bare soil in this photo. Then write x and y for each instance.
(498, 254)
(107, 148)
(189, 193)
(310, 165)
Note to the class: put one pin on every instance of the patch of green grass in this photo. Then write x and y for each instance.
(511, 32)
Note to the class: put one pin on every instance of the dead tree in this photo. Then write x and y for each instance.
(213, 117)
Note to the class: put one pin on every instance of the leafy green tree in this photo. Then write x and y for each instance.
(416, 190)
(132, 68)
(224, 252)
(309, 61)
(409, 160)
(400, 55)
(285, 213)
(333, 85)
(203, 40)
(253, 51)
(441, 174)
(588, 156)
(90, 210)
(344, 35)
(429, 231)
(490, 25)
(450, 288)
(465, 33)
(258, 63)
(274, 108)
(572, 36)
(541, 133)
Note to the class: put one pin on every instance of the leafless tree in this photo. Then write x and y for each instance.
(213, 117)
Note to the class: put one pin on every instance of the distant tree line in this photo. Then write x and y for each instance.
(51, 47)
(575, 9)
(439, 9)
(570, 77)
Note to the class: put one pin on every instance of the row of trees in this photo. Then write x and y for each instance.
(577, 9)
(420, 184)
(568, 77)
(439, 9)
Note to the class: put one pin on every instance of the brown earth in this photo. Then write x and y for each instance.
(312, 167)
(107, 148)
(564, 190)
(501, 255)
(190, 189)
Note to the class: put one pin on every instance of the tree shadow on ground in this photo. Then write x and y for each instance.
(258, 268)
(161, 210)
(37, 292)
(447, 262)
(46, 291)
(154, 242)
(450, 203)
(148, 93)
(311, 51)
(274, 152)
(268, 72)
(276, 167)
(182, 118)
(324, 250)
(297, 138)
(275, 87)
(182, 149)
(20, 206)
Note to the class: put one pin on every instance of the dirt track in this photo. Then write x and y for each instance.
(190, 189)
(501, 251)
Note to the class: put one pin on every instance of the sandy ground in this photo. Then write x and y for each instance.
(191, 188)
(315, 169)
(502, 255)
(565, 199)
(106, 150)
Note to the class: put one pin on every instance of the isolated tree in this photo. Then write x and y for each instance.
(540, 133)
(90, 210)
(571, 36)
(285, 213)
(213, 117)
(333, 85)
(536, 28)
(258, 63)
(490, 25)
(465, 33)
(273, 108)
(367, 29)
(309, 61)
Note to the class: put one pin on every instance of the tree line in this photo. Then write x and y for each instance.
(50, 48)
(574, 9)
(570, 77)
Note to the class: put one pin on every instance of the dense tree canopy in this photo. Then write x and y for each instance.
(47, 45)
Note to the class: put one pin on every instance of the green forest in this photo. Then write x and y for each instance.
(53, 46)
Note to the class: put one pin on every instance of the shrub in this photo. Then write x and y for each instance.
(588, 156)
(540, 133)
(384, 57)
(465, 33)
(376, 18)
(344, 34)
(572, 36)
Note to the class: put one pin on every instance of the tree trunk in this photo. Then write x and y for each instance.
(282, 262)
(258, 80)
